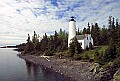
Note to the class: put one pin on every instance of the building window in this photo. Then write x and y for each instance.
(90, 38)
(81, 43)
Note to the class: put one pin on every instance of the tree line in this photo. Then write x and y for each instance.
(113, 39)
(59, 41)
(48, 44)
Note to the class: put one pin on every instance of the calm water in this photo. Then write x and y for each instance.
(13, 68)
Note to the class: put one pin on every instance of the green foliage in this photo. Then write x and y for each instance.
(49, 44)
(87, 48)
(91, 53)
(77, 57)
(103, 57)
(84, 30)
(72, 49)
(88, 29)
(28, 39)
(29, 47)
(85, 56)
(104, 36)
(110, 22)
(48, 53)
(118, 51)
(96, 56)
(101, 36)
(75, 47)
(78, 32)
(95, 33)
(111, 36)
(35, 39)
(90, 46)
(116, 62)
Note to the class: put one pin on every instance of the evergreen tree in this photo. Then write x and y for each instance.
(56, 41)
(84, 30)
(113, 24)
(72, 49)
(95, 33)
(78, 32)
(113, 50)
(90, 46)
(104, 36)
(110, 22)
(44, 43)
(29, 46)
(88, 29)
(28, 40)
(35, 38)
(117, 24)
(75, 47)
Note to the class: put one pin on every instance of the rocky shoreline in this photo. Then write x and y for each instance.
(75, 70)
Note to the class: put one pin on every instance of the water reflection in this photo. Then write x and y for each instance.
(39, 73)
(13, 68)
(34, 71)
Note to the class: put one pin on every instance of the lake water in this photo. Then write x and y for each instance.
(13, 68)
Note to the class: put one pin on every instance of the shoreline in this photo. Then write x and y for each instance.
(75, 70)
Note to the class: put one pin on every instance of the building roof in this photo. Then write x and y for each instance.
(80, 37)
(72, 19)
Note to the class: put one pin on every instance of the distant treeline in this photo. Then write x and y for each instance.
(9, 46)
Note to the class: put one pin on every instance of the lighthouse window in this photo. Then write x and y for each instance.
(87, 38)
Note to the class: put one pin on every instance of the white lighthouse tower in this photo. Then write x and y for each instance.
(72, 30)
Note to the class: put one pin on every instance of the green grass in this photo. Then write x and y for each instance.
(92, 52)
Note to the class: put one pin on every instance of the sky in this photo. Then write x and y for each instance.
(20, 17)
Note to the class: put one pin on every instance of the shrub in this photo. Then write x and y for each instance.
(90, 46)
(87, 47)
(85, 56)
(96, 56)
(116, 62)
(77, 57)
(48, 53)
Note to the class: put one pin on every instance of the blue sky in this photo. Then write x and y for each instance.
(20, 17)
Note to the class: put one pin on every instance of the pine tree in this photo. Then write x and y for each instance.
(35, 38)
(28, 40)
(104, 36)
(113, 24)
(88, 29)
(78, 32)
(110, 22)
(75, 47)
(84, 30)
(90, 46)
(95, 32)
(44, 43)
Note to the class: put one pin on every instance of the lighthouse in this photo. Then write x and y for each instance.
(72, 30)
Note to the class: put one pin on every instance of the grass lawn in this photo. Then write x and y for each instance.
(92, 52)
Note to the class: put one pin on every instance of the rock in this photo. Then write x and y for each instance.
(116, 76)
(94, 68)
(105, 73)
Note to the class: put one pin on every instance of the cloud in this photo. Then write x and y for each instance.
(20, 17)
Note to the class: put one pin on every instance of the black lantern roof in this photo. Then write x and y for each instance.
(72, 19)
